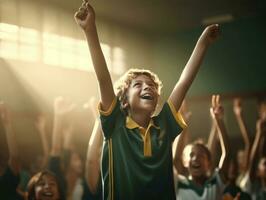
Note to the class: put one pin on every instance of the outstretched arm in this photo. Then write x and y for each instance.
(11, 139)
(208, 36)
(213, 139)
(85, 18)
(61, 108)
(68, 134)
(243, 129)
(94, 152)
(217, 113)
(260, 134)
(182, 141)
(93, 157)
(40, 123)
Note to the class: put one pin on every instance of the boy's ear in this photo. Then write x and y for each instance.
(125, 105)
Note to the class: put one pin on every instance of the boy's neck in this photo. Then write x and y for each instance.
(231, 182)
(199, 181)
(142, 119)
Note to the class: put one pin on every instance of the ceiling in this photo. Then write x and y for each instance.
(169, 15)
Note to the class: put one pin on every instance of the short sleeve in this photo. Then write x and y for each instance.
(171, 120)
(108, 118)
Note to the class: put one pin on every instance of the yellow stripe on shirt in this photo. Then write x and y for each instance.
(109, 110)
(178, 117)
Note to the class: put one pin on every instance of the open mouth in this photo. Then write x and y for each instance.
(147, 97)
(47, 194)
(195, 166)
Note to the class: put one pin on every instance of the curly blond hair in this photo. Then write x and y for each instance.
(122, 85)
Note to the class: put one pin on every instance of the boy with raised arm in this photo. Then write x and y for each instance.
(137, 152)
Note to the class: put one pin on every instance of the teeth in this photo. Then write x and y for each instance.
(147, 96)
(195, 165)
(48, 194)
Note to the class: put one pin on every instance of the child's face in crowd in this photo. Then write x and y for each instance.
(142, 95)
(199, 163)
(46, 188)
(262, 167)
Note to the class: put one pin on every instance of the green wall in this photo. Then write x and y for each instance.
(234, 64)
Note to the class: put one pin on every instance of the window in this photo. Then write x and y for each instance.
(25, 44)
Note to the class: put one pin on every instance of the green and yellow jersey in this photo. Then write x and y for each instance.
(137, 162)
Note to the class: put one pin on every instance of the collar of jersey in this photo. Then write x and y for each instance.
(131, 124)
